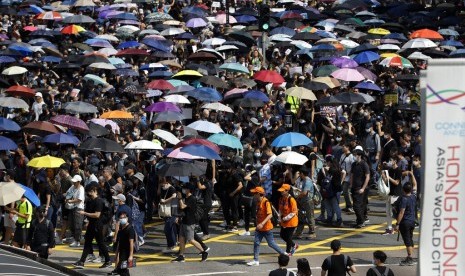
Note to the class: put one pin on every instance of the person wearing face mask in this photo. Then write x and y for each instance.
(121, 207)
(379, 258)
(415, 127)
(373, 149)
(168, 198)
(125, 240)
(39, 107)
(394, 177)
(41, 238)
(359, 178)
(388, 146)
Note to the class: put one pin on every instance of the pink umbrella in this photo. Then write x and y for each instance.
(70, 122)
(178, 154)
(235, 91)
(221, 18)
(367, 73)
(347, 74)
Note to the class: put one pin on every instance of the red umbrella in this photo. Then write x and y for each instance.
(198, 141)
(21, 91)
(132, 52)
(269, 76)
(40, 128)
(160, 84)
(70, 122)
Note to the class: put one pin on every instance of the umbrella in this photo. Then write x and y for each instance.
(61, 138)
(205, 94)
(214, 81)
(178, 154)
(46, 161)
(8, 125)
(40, 128)
(96, 130)
(202, 151)
(196, 23)
(167, 136)
(162, 106)
(419, 55)
(234, 67)
(218, 107)
(198, 141)
(366, 57)
(351, 98)
(419, 43)
(101, 144)
(396, 61)
(95, 79)
(7, 144)
(426, 33)
(160, 84)
(291, 139)
(72, 30)
(325, 70)
(143, 145)
(21, 91)
(181, 168)
(50, 15)
(14, 70)
(316, 86)
(78, 19)
(11, 102)
(168, 116)
(187, 74)
(117, 114)
(344, 62)
(70, 122)
(258, 95)
(348, 74)
(227, 140)
(105, 122)
(301, 93)
(368, 85)
(10, 192)
(269, 76)
(79, 107)
(291, 158)
(176, 99)
(205, 126)
(248, 102)
(30, 195)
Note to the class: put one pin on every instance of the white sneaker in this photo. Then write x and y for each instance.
(253, 263)
(75, 244)
(223, 224)
(142, 242)
(245, 233)
(241, 222)
(169, 250)
(90, 258)
(215, 203)
(98, 260)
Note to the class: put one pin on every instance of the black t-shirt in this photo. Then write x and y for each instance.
(381, 270)
(387, 148)
(189, 211)
(164, 194)
(92, 206)
(232, 182)
(337, 267)
(359, 170)
(44, 190)
(207, 193)
(281, 272)
(124, 235)
(397, 175)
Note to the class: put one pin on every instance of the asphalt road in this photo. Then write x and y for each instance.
(229, 251)
(13, 264)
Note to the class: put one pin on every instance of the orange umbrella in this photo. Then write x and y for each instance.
(21, 91)
(72, 30)
(117, 114)
(426, 33)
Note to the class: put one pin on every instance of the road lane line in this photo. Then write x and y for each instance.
(215, 273)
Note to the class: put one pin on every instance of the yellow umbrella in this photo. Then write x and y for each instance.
(378, 31)
(188, 73)
(117, 114)
(301, 93)
(331, 82)
(388, 55)
(46, 161)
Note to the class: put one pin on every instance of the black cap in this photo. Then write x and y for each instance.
(189, 186)
(130, 166)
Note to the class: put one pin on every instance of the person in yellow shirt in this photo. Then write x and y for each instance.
(288, 218)
(24, 213)
(264, 225)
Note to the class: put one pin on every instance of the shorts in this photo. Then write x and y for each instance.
(406, 231)
(11, 223)
(187, 231)
(65, 213)
(20, 235)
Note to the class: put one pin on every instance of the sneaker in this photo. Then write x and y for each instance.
(253, 263)
(79, 265)
(296, 246)
(90, 258)
(204, 256)
(105, 265)
(204, 250)
(142, 242)
(311, 236)
(388, 232)
(113, 273)
(350, 210)
(245, 233)
(233, 230)
(358, 226)
(98, 260)
(407, 262)
(241, 222)
(223, 224)
(169, 250)
(205, 237)
(75, 244)
(179, 259)
(367, 220)
(337, 224)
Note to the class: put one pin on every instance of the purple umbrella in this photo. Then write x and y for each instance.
(162, 107)
(344, 62)
(368, 85)
(107, 13)
(70, 122)
(347, 74)
(196, 23)
(367, 73)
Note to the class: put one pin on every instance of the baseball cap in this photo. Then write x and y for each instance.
(368, 125)
(139, 176)
(76, 178)
(255, 121)
(284, 187)
(119, 197)
(38, 94)
(258, 190)
(130, 166)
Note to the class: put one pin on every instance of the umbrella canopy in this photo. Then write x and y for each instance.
(226, 140)
(101, 144)
(10, 192)
(234, 67)
(396, 61)
(7, 144)
(301, 93)
(258, 95)
(347, 74)
(40, 128)
(8, 125)
(61, 138)
(368, 85)
(176, 99)
(105, 122)
(419, 43)
(366, 57)
(202, 151)
(70, 122)
(167, 136)
(206, 126)
(21, 91)
(14, 70)
(218, 107)
(269, 76)
(291, 139)
(30, 195)
(96, 130)
(291, 158)
(143, 145)
(178, 154)
(198, 141)
(162, 107)
(46, 161)
(351, 98)
(117, 114)
(182, 168)
(205, 94)
(426, 33)
(168, 116)
(79, 108)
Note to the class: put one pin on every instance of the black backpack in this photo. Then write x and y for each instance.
(199, 211)
(327, 189)
(106, 214)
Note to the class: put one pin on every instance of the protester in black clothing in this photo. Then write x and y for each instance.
(151, 184)
(41, 235)
(337, 264)
(93, 212)
(205, 192)
(124, 246)
(250, 206)
(360, 176)
(379, 258)
(283, 261)
(303, 267)
(233, 186)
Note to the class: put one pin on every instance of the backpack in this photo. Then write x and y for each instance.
(105, 215)
(275, 214)
(316, 197)
(386, 272)
(199, 211)
(135, 212)
(383, 187)
(327, 189)
(328, 261)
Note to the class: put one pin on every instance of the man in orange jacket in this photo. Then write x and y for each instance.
(288, 218)
(264, 225)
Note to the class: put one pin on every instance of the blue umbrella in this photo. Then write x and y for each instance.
(185, 36)
(8, 125)
(322, 48)
(193, 10)
(128, 44)
(397, 36)
(368, 85)
(196, 23)
(245, 18)
(127, 72)
(283, 30)
(227, 140)
(161, 74)
(31, 195)
(124, 16)
(366, 57)
(23, 50)
(7, 144)
(259, 95)
(156, 44)
(291, 139)
(202, 151)
(454, 43)
(51, 59)
(7, 59)
(205, 94)
(61, 138)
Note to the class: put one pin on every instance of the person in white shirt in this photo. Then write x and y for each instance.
(89, 173)
(38, 106)
(347, 158)
(74, 201)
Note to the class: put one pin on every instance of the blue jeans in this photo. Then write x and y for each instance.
(268, 235)
(332, 207)
(170, 231)
(137, 224)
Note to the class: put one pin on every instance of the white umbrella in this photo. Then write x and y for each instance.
(108, 51)
(167, 136)
(172, 31)
(108, 37)
(226, 48)
(214, 41)
(388, 47)
(128, 29)
(419, 55)
(177, 99)
(143, 145)
(102, 65)
(218, 107)
(419, 43)
(14, 70)
(292, 158)
(349, 43)
(84, 3)
(13, 103)
(280, 37)
(10, 192)
(301, 44)
(206, 126)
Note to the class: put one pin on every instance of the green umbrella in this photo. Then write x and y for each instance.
(227, 140)
(325, 70)
(96, 79)
(177, 82)
(235, 67)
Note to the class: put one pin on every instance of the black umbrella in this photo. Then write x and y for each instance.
(408, 77)
(214, 81)
(246, 11)
(161, 54)
(249, 102)
(408, 107)
(168, 116)
(314, 85)
(351, 98)
(93, 59)
(306, 36)
(182, 168)
(244, 37)
(96, 130)
(243, 82)
(66, 65)
(329, 100)
(101, 144)
(364, 47)
(78, 19)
